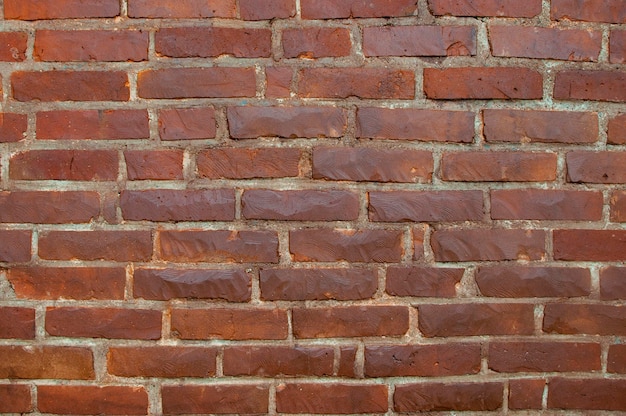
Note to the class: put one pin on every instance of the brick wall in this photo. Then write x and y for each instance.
(312, 206)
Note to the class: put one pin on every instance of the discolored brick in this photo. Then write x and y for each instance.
(495, 166)
(266, 9)
(278, 80)
(331, 398)
(92, 125)
(96, 245)
(609, 11)
(154, 165)
(372, 83)
(13, 46)
(590, 85)
(163, 362)
(48, 207)
(596, 167)
(177, 9)
(91, 400)
(15, 398)
(265, 361)
(617, 46)
(584, 319)
(329, 9)
(544, 357)
(426, 397)
(316, 42)
(187, 123)
(241, 163)
(419, 41)
(423, 281)
(13, 127)
(190, 42)
(215, 399)
(539, 204)
(69, 165)
(46, 362)
(17, 323)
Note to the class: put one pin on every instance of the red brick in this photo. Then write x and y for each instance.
(288, 122)
(415, 124)
(301, 205)
(541, 204)
(177, 9)
(609, 11)
(476, 319)
(15, 246)
(618, 206)
(266, 9)
(48, 207)
(13, 46)
(426, 397)
(495, 166)
(278, 81)
(91, 45)
(613, 283)
(587, 394)
(373, 83)
(186, 123)
(154, 164)
(215, 399)
(96, 245)
(230, 324)
(524, 357)
(79, 283)
(483, 83)
(70, 86)
(103, 323)
(533, 282)
(488, 244)
(522, 126)
(426, 206)
(616, 361)
(178, 205)
(214, 82)
(219, 246)
(423, 281)
(545, 43)
(330, 9)
(526, 394)
(163, 362)
(372, 164)
(46, 362)
(17, 323)
(190, 42)
(265, 361)
(15, 398)
(13, 127)
(93, 125)
(350, 321)
(316, 42)
(348, 245)
(91, 400)
(166, 284)
(590, 85)
(59, 9)
(347, 360)
(487, 8)
(617, 46)
(318, 284)
(596, 167)
(331, 398)
(617, 130)
(240, 163)
(69, 165)
(562, 318)
(590, 245)
(419, 41)
(422, 360)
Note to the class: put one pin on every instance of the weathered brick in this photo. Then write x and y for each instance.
(609, 11)
(92, 400)
(617, 130)
(526, 394)
(15, 246)
(219, 246)
(79, 283)
(96, 245)
(154, 164)
(48, 207)
(562, 318)
(15, 398)
(524, 357)
(215, 399)
(495, 166)
(427, 397)
(13, 127)
(63, 9)
(426, 206)
(317, 284)
(422, 360)
(533, 282)
(166, 284)
(590, 245)
(186, 123)
(194, 9)
(17, 323)
(214, 82)
(416, 124)
(190, 42)
(278, 81)
(522, 126)
(488, 244)
(316, 42)
(331, 398)
(329, 9)
(164, 362)
(266, 9)
(596, 167)
(468, 319)
(486, 8)
(300, 205)
(13, 46)
(499, 83)
(350, 321)
(590, 85)
(616, 360)
(70, 86)
(347, 361)
(46, 362)
(265, 361)
(229, 324)
(587, 394)
(419, 41)
(540, 204)
(373, 83)
(617, 46)
(423, 281)
(92, 125)
(241, 163)
(103, 323)
(349, 245)
(69, 165)
(613, 283)
(91, 45)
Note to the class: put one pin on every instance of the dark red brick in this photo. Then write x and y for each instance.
(617, 46)
(316, 42)
(91, 45)
(526, 394)
(15, 398)
(329, 9)
(68, 165)
(187, 123)
(562, 318)
(93, 125)
(278, 81)
(15, 246)
(215, 399)
(488, 166)
(426, 206)
(265, 361)
(163, 362)
(486, 8)
(190, 42)
(419, 41)
(372, 83)
(540, 204)
(427, 397)
(48, 207)
(587, 394)
(617, 130)
(613, 283)
(13, 127)
(596, 167)
(193, 9)
(17, 323)
(331, 398)
(423, 281)
(544, 357)
(266, 9)
(241, 163)
(616, 360)
(590, 85)
(590, 245)
(70, 86)
(96, 245)
(92, 400)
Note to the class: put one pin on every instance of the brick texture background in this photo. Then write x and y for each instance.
(312, 206)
